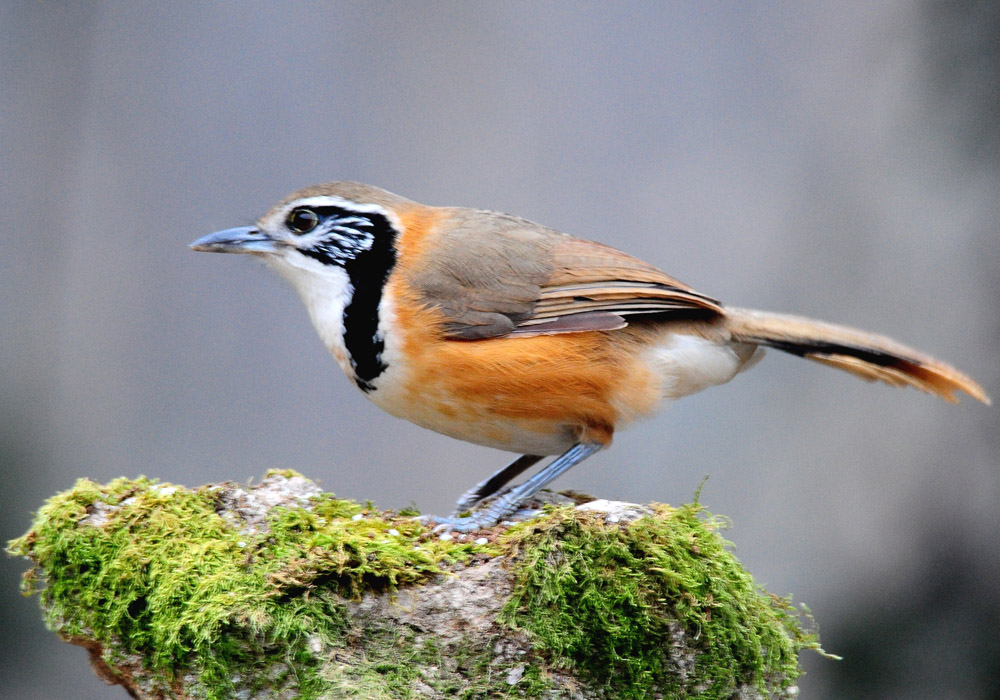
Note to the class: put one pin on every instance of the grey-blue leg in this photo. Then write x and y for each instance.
(499, 479)
(508, 503)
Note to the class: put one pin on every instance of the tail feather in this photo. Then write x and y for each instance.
(866, 355)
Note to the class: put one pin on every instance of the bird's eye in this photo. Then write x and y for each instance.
(302, 220)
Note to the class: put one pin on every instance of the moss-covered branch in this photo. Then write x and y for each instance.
(281, 591)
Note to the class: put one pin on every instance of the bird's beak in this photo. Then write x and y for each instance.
(242, 239)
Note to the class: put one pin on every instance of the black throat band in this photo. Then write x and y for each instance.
(368, 271)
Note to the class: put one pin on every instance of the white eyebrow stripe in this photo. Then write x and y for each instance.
(320, 201)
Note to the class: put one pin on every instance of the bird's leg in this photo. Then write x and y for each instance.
(489, 486)
(509, 502)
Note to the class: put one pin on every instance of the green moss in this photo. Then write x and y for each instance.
(171, 580)
(284, 473)
(599, 596)
(164, 576)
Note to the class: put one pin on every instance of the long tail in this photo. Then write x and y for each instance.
(863, 354)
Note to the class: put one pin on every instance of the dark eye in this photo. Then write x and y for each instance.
(302, 220)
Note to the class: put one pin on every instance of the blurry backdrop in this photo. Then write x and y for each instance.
(840, 160)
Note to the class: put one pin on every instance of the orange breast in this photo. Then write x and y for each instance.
(534, 395)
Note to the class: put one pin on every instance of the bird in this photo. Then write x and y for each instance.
(492, 329)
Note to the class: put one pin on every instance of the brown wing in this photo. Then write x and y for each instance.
(594, 278)
(492, 275)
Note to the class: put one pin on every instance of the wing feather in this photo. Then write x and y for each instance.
(493, 275)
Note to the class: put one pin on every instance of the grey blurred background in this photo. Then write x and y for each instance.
(835, 159)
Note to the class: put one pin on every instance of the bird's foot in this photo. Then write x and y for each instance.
(494, 485)
(482, 519)
(468, 500)
(512, 501)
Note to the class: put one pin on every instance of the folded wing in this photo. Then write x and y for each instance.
(499, 275)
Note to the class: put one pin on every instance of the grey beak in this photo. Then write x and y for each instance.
(242, 239)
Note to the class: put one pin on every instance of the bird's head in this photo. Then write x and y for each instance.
(336, 244)
(319, 230)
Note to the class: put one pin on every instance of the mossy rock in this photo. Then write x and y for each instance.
(282, 591)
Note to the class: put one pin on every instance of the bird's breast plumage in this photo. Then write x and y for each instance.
(535, 395)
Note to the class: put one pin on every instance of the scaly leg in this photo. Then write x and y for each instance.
(509, 502)
(488, 487)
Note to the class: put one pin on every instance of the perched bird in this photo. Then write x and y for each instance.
(501, 332)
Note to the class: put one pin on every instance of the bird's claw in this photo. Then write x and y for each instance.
(469, 523)
(477, 520)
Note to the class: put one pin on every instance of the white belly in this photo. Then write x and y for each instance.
(687, 364)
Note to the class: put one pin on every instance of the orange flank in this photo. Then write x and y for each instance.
(564, 388)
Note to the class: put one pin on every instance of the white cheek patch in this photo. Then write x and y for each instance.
(298, 268)
(325, 291)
